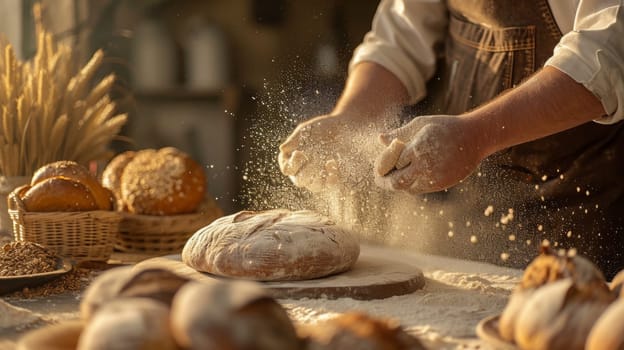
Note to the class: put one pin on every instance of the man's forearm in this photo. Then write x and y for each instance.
(371, 91)
(547, 103)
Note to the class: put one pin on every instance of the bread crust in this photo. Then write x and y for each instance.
(111, 175)
(72, 170)
(59, 194)
(163, 182)
(272, 245)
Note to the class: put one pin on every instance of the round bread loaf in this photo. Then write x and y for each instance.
(163, 182)
(272, 245)
(72, 170)
(130, 323)
(234, 315)
(545, 269)
(559, 315)
(355, 330)
(111, 176)
(126, 282)
(59, 194)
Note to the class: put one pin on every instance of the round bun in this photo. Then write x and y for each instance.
(111, 176)
(72, 170)
(163, 182)
(59, 194)
(356, 330)
(230, 315)
(272, 245)
(129, 323)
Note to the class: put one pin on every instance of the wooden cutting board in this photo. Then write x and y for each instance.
(373, 277)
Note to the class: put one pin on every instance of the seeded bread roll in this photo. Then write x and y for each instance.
(59, 194)
(72, 170)
(163, 182)
(111, 176)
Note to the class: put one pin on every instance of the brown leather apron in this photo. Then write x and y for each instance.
(568, 187)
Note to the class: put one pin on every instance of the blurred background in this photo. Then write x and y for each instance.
(222, 80)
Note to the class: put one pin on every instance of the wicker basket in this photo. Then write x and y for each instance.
(81, 236)
(158, 235)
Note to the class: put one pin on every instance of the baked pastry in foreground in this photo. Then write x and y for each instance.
(272, 245)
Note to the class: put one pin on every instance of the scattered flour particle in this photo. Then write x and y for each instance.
(512, 237)
(544, 178)
(528, 242)
(451, 234)
(578, 189)
(540, 228)
(537, 187)
(488, 211)
(587, 193)
(450, 224)
(473, 239)
(561, 176)
(504, 256)
(441, 212)
(468, 224)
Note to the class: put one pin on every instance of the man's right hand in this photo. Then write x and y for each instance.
(311, 154)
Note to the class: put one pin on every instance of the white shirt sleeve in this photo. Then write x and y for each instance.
(593, 53)
(402, 39)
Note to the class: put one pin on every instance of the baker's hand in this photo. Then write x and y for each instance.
(311, 154)
(429, 154)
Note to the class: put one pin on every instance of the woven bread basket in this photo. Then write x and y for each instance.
(80, 236)
(166, 234)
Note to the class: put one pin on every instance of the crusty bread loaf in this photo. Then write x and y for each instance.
(129, 324)
(234, 315)
(559, 315)
(59, 194)
(356, 330)
(163, 182)
(124, 282)
(272, 245)
(111, 175)
(72, 170)
(548, 268)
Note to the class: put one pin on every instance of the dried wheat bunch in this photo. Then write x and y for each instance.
(49, 110)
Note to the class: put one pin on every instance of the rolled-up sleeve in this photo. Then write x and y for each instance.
(402, 40)
(593, 54)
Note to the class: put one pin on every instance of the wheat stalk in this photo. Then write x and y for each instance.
(48, 110)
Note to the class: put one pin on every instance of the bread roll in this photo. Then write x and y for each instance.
(62, 336)
(72, 170)
(111, 176)
(608, 331)
(236, 316)
(59, 194)
(559, 315)
(124, 282)
(129, 324)
(163, 182)
(548, 268)
(272, 245)
(356, 330)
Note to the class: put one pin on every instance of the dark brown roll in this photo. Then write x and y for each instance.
(72, 170)
(163, 182)
(59, 194)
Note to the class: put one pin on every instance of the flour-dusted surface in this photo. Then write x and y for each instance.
(272, 245)
(444, 314)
